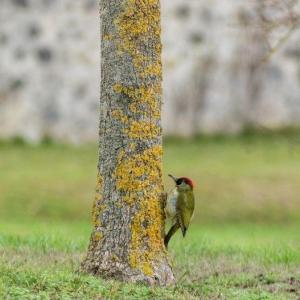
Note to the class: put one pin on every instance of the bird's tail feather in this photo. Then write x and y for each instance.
(172, 230)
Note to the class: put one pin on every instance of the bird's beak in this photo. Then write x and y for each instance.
(174, 178)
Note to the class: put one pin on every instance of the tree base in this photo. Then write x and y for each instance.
(107, 269)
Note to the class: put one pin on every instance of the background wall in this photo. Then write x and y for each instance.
(216, 79)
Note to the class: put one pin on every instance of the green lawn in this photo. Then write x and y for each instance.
(244, 242)
(39, 260)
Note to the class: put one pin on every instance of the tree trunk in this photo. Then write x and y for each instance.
(128, 218)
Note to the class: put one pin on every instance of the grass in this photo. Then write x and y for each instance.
(244, 242)
(253, 178)
(39, 260)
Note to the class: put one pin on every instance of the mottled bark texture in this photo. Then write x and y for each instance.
(127, 239)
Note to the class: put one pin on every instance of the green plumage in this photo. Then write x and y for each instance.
(180, 207)
(185, 209)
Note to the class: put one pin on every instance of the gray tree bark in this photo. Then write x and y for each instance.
(128, 218)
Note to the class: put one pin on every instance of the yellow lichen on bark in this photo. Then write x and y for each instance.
(138, 173)
(138, 23)
(144, 105)
(146, 241)
(98, 207)
(139, 176)
(119, 115)
(152, 69)
(97, 200)
(98, 236)
(143, 130)
(144, 97)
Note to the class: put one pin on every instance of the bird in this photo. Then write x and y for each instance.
(180, 205)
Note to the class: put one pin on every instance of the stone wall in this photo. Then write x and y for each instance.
(215, 75)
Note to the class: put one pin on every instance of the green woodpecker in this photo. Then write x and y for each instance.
(180, 206)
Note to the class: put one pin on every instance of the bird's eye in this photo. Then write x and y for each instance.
(179, 181)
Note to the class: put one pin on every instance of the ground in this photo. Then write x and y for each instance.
(243, 244)
(39, 260)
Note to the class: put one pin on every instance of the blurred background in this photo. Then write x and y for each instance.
(231, 115)
(231, 120)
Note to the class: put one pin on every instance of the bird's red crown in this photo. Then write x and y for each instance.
(188, 181)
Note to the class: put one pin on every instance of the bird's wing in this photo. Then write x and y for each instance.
(180, 207)
(191, 206)
(184, 211)
(171, 232)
